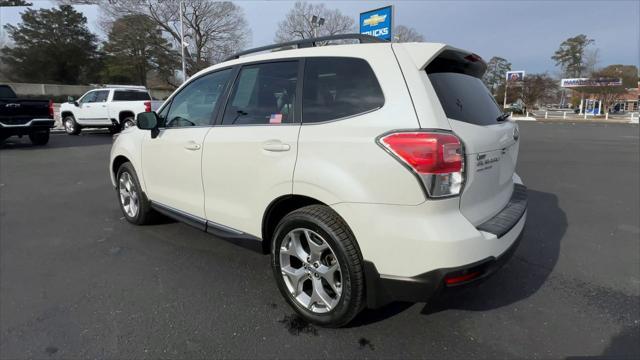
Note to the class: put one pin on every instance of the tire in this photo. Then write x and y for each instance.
(321, 225)
(70, 125)
(39, 138)
(127, 123)
(143, 213)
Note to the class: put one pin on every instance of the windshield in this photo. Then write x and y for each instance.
(465, 98)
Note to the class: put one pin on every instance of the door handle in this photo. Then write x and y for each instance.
(276, 146)
(192, 145)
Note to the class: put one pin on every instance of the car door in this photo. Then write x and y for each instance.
(84, 104)
(171, 161)
(249, 156)
(93, 108)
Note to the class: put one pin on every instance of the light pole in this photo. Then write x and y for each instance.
(182, 44)
(316, 22)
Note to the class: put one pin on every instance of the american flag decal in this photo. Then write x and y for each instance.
(275, 119)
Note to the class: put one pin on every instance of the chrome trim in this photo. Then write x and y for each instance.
(28, 123)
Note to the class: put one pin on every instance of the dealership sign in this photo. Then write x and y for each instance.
(587, 82)
(377, 23)
(515, 75)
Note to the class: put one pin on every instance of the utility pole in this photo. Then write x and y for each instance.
(182, 44)
(506, 84)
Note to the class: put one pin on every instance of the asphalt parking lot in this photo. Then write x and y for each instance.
(78, 281)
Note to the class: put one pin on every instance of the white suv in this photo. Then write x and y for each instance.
(370, 172)
(111, 107)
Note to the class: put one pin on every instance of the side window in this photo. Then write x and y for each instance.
(338, 87)
(101, 96)
(88, 98)
(194, 105)
(263, 94)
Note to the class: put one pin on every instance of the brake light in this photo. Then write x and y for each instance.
(50, 108)
(147, 106)
(436, 157)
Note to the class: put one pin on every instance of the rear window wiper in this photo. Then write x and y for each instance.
(503, 117)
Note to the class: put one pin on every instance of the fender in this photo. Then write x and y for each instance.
(128, 144)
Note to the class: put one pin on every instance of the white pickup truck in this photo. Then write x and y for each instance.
(110, 107)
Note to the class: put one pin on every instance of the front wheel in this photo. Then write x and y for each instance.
(39, 138)
(318, 267)
(71, 127)
(133, 202)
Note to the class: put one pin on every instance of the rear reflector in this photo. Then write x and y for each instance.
(435, 156)
(461, 278)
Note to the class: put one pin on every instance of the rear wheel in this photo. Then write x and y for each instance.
(127, 123)
(133, 203)
(39, 138)
(70, 125)
(317, 266)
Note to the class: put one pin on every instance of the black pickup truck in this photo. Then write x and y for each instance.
(24, 117)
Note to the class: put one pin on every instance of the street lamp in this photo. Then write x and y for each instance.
(316, 22)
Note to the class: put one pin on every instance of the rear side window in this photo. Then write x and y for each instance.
(131, 96)
(263, 94)
(338, 87)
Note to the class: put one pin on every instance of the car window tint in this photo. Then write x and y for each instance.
(101, 96)
(465, 98)
(130, 95)
(194, 104)
(338, 87)
(263, 94)
(88, 97)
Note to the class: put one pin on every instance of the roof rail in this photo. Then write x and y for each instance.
(312, 42)
(132, 87)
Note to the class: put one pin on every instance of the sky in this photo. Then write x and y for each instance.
(524, 32)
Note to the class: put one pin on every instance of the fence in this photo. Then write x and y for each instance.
(57, 91)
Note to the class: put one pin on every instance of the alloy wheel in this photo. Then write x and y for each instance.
(128, 194)
(310, 270)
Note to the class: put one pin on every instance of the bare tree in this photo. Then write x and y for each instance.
(406, 34)
(591, 60)
(213, 29)
(297, 23)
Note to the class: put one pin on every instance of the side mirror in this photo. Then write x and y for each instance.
(148, 121)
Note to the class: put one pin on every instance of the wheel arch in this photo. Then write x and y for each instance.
(125, 114)
(66, 113)
(117, 162)
(277, 209)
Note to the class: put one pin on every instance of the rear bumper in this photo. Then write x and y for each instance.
(383, 289)
(507, 226)
(32, 126)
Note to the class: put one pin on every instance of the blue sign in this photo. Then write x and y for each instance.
(377, 23)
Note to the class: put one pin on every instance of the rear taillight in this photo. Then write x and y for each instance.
(436, 157)
(51, 108)
(147, 106)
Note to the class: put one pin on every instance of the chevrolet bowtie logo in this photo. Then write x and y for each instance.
(374, 20)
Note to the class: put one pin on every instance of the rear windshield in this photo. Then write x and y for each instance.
(131, 96)
(6, 92)
(465, 98)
